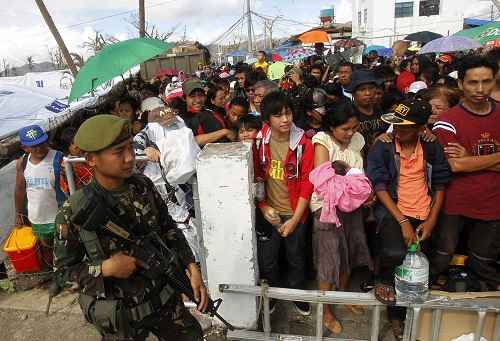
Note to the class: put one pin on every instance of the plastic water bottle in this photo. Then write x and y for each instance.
(412, 277)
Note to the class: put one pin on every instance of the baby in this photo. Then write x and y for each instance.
(342, 168)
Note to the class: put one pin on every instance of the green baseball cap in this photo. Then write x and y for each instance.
(190, 85)
(101, 132)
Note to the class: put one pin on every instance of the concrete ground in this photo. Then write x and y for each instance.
(22, 317)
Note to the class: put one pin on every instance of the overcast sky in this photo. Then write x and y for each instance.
(23, 32)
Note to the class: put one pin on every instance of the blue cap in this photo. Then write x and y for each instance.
(32, 135)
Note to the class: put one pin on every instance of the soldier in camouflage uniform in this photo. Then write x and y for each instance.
(116, 297)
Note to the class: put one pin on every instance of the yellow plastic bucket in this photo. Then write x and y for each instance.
(20, 247)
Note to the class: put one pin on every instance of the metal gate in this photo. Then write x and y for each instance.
(437, 304)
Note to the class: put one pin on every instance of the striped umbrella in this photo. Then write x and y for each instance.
(298, 54)
(348, 43)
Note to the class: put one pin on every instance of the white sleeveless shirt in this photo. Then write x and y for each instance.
(40, 178)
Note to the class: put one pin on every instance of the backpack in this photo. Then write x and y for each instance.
(56, 164)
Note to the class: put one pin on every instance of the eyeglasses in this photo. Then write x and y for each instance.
(249, 89)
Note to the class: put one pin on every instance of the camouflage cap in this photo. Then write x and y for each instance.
(190, 85)
(101, 132)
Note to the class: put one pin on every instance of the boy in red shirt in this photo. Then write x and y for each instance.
(284, 161)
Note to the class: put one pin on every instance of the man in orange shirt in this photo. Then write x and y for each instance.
(409, 177)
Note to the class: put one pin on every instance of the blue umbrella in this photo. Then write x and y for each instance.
(449, 44)
(385, 52)
(371, 48)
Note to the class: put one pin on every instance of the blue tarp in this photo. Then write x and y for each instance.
(475, 22)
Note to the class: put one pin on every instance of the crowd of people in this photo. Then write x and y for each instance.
(354, 162)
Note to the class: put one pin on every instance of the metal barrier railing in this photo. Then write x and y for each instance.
(68, 168)
(436, 303)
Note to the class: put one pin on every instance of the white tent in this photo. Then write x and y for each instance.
(39, 98)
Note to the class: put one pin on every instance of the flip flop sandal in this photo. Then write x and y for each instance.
(355, 309)
(367, 286)
(388, 291)
(336, 328)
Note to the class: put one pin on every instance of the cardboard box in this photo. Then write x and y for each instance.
(453, 324)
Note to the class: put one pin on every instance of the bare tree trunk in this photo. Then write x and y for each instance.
(57, 36)
(142, 19)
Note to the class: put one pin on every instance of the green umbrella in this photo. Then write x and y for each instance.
(482, 34)
(113, 61)
(276, 70)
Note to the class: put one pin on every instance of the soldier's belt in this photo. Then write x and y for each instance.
(139, 312)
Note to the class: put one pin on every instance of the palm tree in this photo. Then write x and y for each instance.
(30, 62)
(98, 42)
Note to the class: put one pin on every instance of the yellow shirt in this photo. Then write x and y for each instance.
(413, 194)
(264, 65)
(276, 187)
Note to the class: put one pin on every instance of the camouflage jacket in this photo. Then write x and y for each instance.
(138, 204)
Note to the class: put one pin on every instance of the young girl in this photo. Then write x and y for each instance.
(337, 250)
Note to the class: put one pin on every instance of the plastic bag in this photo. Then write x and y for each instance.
(191, 235)
(178, 151)
(467, 337)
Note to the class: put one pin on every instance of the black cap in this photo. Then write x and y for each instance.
(409, 112)
(362, 77)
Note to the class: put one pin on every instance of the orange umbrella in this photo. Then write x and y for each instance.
(315, 36)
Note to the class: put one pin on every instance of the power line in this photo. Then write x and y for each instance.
(283, 18)
(117, 14)
(229, 30)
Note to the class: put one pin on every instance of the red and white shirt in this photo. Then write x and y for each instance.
(477, 194)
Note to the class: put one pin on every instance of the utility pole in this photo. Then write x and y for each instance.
(249, 17)
(265, 34)
(60, 42)
(142, 19)
(269, 25)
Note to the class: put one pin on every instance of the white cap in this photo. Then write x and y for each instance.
(417, 86)
(151, 103)
(453, 74)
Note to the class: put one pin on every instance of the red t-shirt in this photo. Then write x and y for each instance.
(404, 81)
(477, 194)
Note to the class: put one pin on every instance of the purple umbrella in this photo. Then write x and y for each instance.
(449, 44)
